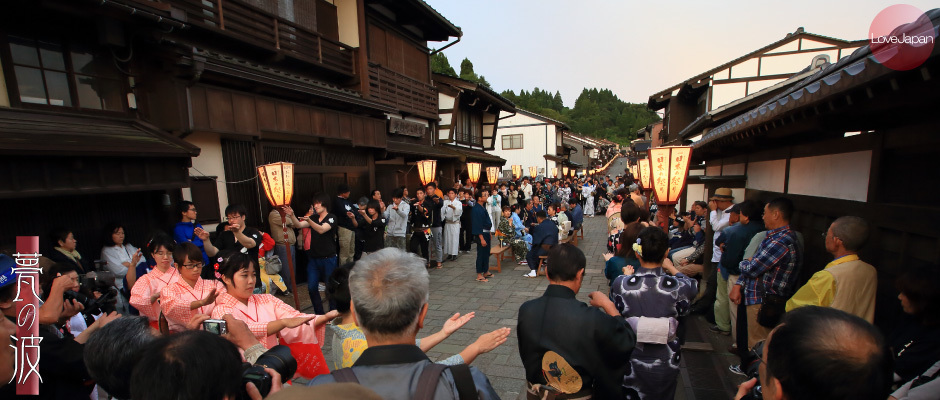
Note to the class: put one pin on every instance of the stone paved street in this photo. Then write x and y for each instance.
(496, 303)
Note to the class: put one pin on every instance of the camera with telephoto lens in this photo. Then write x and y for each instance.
(752, 369)
(101, 282)
(277, 358)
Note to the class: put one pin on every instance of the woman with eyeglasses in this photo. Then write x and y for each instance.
(145, 294)
(190, 295)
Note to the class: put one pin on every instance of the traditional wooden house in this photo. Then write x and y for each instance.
(327, 85)
(581, 152)
(698, 104)
(399, 72)
(469, 119)
(530, 140)
(855, 138)
(696, 100)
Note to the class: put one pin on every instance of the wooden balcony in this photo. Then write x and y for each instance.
(253, 25)
(406, 94)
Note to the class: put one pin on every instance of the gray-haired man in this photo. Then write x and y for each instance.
(391, 314)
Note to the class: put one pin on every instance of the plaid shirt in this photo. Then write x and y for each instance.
(773, 268)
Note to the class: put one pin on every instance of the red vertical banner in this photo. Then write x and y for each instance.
(27, 315)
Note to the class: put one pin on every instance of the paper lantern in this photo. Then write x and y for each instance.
(555, 172)
(633, 171)
(644, 170)
(427, 169)
(473, 170)
(669, 168)
(516, 171)
(493, 174)
(533, 171)
(564, 170)
(277, 180)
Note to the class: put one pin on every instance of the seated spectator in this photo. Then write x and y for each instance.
(613, 266)
(66, 251)
(599, 357)
(651, 301)
(390, 315)
(823, 353)
(544, 236)
(915, 339)
(350, 341)
(121, 258)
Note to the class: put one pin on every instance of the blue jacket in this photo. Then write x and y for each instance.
(577, 216)
(481, 221)
(544, 233)
(185, 232)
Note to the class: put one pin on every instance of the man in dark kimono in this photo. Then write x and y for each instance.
(595, 344)
(480, 228)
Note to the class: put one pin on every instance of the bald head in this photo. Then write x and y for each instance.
(824, 353)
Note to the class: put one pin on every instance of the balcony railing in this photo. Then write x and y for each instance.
(253, 25)
(406, 94)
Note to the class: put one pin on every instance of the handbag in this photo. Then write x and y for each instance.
(272, 264)
(771, 310)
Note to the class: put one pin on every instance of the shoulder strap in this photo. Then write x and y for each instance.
(345, 375)
(427, 382)
(466, 389)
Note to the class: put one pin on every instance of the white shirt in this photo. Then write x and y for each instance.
(719, 220)
(116, 256)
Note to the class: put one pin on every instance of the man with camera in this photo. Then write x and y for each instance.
(61, 367)
(820, 353)
(390, 315)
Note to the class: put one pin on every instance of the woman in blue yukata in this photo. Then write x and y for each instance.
(650, 299)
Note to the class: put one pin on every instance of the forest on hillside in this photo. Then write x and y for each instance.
(597, 112)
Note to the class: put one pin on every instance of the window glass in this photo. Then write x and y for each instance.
(29, 81)
(52, 56)
(58, 85)
(98, 93)
(23, 54)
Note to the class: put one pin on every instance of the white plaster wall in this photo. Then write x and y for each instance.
(209, 163)
(767, 175)
(713, 170)
(694, 192)
(348, 19)
(533, 143)
(840, 176)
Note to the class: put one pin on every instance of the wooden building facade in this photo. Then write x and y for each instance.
(151, 102)
(469, 119)
(855, 138)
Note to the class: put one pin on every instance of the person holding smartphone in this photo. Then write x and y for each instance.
(185, 230)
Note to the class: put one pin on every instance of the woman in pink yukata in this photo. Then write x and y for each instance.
(267, 317)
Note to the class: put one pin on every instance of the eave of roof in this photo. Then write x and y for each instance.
(849, 72)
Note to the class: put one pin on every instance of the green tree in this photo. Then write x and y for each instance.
(440, 65)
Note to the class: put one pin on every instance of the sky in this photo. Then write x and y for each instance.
(634, 48)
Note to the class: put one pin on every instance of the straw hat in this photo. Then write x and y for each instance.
(722, 194)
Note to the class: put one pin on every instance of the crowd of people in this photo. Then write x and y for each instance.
(193, 306)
